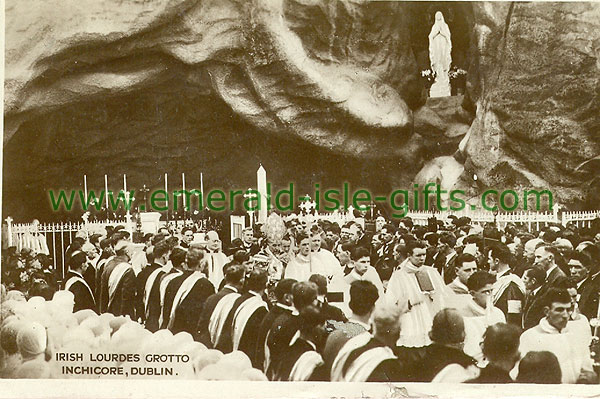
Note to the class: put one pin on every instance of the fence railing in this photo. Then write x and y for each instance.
(54, 238)
(531, 219)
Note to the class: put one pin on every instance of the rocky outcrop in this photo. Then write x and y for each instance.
(538, 106)
(317, 91)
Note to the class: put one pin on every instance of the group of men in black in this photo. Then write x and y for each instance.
(291, 331)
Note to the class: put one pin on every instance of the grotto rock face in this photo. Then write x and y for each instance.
(319, 92)
(538, 104)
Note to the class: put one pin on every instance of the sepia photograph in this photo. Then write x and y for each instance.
(300, 198)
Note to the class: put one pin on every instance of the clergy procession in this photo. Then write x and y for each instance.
(451, 301)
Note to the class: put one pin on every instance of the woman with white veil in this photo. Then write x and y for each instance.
(440, 49)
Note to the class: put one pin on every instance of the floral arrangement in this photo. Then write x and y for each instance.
(428, 74)
(455, 72)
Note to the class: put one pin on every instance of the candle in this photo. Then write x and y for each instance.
(106, 190)
(201, 191)
(183, 185)
(166, 190)
(124, 183)
(85, 188)
(261, 185)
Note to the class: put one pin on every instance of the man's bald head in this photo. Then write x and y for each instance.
(213, 241)
(448, 328)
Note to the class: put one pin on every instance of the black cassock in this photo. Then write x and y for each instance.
(247, 342)
(140, 285)
(203, 334)
(388, 370)
(293, 354)
(281, 334)
(188, 309)
(82, 292)
(265, 328)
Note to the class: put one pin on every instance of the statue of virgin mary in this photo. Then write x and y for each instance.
(440, 49)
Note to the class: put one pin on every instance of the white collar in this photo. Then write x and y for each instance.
(536, 290)
(231, 287)
(477, 308)
(547, 328)
(504, 273)
(76, 273)
(351, 319)
(302, 258)
(358, 276)
(310, 343)
(254, 293)
(459, 284)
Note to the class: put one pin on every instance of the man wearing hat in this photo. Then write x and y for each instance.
(74, 282)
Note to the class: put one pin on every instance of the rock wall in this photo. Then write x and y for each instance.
(538, 105)
(318, 91)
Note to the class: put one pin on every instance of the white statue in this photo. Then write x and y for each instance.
(440, 49)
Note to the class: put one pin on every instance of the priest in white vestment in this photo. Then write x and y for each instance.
(553, 334)
(479, 313)
(422, 290)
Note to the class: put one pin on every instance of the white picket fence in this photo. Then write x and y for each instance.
(59, 236)
(533, 220)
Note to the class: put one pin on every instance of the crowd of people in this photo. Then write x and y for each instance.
(451, 301)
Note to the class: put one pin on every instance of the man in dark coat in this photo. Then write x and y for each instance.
(545, 258)
(586, 274)
(188, 292)
(74, 282)
(283, 306)
(384, 257)
(375, 361)
(303, 361)
(157, 315)
(118, 284)
(286, 326)
(508, 291)
(208, 326)
(447, 336)
(148, 275)
(241, 327)
(533, 307)
(501, 348)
